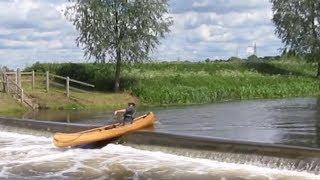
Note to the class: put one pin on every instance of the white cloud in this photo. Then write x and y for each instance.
(32, 30)
(250, 50)
(197, 4)
(222, 30)
(211, 33)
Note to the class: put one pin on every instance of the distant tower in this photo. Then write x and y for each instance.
(255, 49)
(252, 50)
(237, 52)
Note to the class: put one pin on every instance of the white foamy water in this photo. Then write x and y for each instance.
(35, 157)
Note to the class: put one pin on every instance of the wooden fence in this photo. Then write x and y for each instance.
(14, 87)
(12, 84)
(67, 84)
(17, 77)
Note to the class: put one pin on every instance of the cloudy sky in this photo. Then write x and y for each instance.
(36, 30)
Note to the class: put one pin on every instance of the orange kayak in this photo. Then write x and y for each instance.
(102, 133)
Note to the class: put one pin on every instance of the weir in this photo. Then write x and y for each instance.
(222, 150)
(240, 152)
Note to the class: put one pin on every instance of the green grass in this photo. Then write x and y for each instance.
(9, 107)
(56, 98)
(174, 83)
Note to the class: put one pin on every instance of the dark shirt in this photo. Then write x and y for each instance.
(129, 112)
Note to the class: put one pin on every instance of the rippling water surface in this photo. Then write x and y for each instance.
(34, 157)
(285, 121)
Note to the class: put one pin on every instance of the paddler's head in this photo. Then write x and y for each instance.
(132, 104)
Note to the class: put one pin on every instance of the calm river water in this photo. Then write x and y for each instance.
(288, 121)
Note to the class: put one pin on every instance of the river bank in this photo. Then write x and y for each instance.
(181, 83)
(56, 99)
(10, 107)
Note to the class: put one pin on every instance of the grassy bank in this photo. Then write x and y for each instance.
(56, 97)
(9, 107)
(203, 82)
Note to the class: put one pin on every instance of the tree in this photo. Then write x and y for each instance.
(253, 58)
(234, 59)
(297, 25)
(119, 30)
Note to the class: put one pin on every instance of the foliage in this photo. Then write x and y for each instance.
(122, 30)
(203, 82)
(235, 59)
(253, 58)
(297, 25)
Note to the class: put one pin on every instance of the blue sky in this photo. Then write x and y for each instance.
(36, 30)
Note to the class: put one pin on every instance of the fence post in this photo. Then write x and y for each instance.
(22, 96)
(32, 80)
(7, 83)
(4, 81)
(19, 77)
(67, 85)
(68, 117)
(16, 79)
(47, 81)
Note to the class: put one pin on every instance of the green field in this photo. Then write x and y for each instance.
(180, 83)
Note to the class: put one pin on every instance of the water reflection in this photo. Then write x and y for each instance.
(71, 116)
(297, 122)
(317, 124)
(285, 121)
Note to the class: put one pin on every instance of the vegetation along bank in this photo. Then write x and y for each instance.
(179, 83)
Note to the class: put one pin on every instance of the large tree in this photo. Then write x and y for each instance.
(297, 24)
(119, 30)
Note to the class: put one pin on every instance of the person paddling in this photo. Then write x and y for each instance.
(128, 113)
